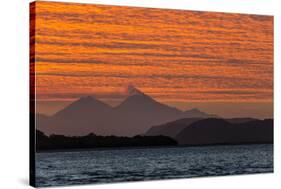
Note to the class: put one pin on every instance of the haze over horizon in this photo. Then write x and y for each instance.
(219, 63)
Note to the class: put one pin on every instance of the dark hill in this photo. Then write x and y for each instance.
(171, 129)
(193, 113)
(220, 131)
(241, 120)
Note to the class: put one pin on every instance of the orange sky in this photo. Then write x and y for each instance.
(178, 57)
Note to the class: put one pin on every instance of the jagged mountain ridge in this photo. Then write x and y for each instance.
(133, 116)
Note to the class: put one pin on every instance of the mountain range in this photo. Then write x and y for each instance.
(135, 115)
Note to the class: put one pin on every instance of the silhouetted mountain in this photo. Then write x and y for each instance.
(60, 142)
(220, 131)
(241, 120)
(141, 102)
(136, 113)
(133, 116)
(83, 108)
(197, 113)
(171, 129)
(83, 116)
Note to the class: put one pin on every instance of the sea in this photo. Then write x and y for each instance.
(142, 164)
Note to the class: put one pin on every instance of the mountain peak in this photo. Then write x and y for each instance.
(89, 101)
(137, 101)
(134, 91)
(84, 105)
(137, 96)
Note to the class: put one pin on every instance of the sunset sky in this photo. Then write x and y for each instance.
(217, 62)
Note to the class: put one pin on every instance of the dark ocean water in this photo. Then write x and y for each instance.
(85, 167)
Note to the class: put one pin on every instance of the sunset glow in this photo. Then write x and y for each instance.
(177, 57)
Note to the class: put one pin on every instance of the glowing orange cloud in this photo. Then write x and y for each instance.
(172, 55)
